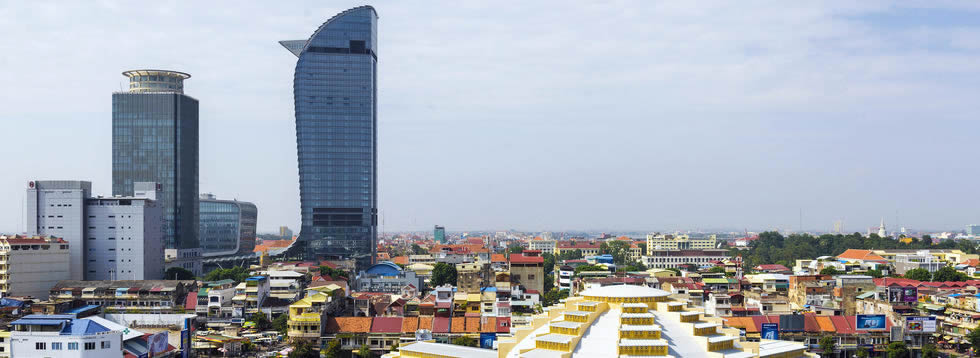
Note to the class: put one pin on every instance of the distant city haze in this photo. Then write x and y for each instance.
(571, 116)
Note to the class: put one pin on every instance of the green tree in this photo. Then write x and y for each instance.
(643, 248)
(280, 323)
(827, 346)
(569, 255)
(465, 341)
(949, 274)
(635, 267)
(262, 323)
(332, 272)
(861, 353)
(829, 270)
(419, 250)
(716, 269)
(178, 273)
(589, 268)
(443, 273)
(515, 249)
(919, 274)
(897, 350)
(248, 346)
(875, 273)
(394, 347)
(974, 338)
(304, 349)
(618, 249)
(332, 350)
(237, 274)
(549, 262)
(929, 351)
(364, 351)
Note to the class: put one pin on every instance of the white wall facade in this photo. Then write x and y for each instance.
(124, 239)
(32, 269)
(57, 208)
(25, 344)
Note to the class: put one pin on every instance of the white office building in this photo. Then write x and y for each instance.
(63, 336)
(57, 208)
(124, 238)
(118, 238)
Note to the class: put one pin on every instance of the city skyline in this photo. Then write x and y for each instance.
(526, 119)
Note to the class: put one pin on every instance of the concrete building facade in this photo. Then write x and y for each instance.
(32, 265)
(124, 238)
(57, 208)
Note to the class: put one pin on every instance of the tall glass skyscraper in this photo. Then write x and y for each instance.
(335, 94)
(155, 139)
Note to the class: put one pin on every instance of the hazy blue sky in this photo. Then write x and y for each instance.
(616, 115)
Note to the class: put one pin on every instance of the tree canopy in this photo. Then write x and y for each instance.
(515, 248)
(589, 268)
(827, 346)
(178, 273)
(830, 271)
(237, 274)
(773, 247)
(443, 273)
(619, 250)
(897, 350)
(465, 341)
(942, 275)
(332, 272)
(569, 255)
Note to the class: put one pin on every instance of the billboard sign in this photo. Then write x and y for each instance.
(487, 339)
(920, 324)
(870, 322)
(158, 343)
(770, 331)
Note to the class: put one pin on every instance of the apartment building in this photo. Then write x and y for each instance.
(30, 266)
(681, 258)
(128, 296)
(527, 269)
(250, 295)
(63, 336)
(679, 242)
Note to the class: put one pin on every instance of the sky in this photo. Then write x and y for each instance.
(614, 115)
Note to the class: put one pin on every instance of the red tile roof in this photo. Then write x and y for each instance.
(458, 325)
(503, 324)
(498, 258)
(401, 260)
(425, 323)
(488, 324)
(472, 324)
(410, 324)
(440, 325)
(387, 325)
(190, 302)
(521, 259)
(348, 325)
(864, 255)
(772, 267)
(842, 326)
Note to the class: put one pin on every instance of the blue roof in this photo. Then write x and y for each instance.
(955, 295)
(83, 327)
(385, 268)
(82, 309)
(255, 278)
(10, 302)
(494, 289)
(39, 322)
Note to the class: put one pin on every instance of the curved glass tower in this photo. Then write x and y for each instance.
(335, 94)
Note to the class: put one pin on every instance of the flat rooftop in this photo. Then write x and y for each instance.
(555, 338)
(642, 342)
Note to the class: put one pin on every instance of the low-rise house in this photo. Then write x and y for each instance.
(149, 296)
(250, 296)
(46, 335)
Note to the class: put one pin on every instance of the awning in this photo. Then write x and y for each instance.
(156, 289)
(134, 290)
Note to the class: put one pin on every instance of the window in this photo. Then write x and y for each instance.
(40, 346)
(89, 346)
(106, 344)
(56, 346)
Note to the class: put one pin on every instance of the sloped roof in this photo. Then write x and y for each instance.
(488, 325)
(387, 325)
(472, 325)
(855, 254)
(458, 325)
(348, 325)
(440, 325)
(410, 324)
(425, 323)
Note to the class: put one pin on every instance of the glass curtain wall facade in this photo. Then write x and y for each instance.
(155, 139)
(227, 227)
(335, 93)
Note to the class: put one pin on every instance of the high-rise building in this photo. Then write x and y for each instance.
(285, 233)
(227, 226)
(973, 230)
(439, 234)
(124, 236)
(57, 208)
(335, 97)
(155, 139)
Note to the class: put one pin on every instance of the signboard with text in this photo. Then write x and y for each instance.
(870, 322)
(920, 324)
(769, 331)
